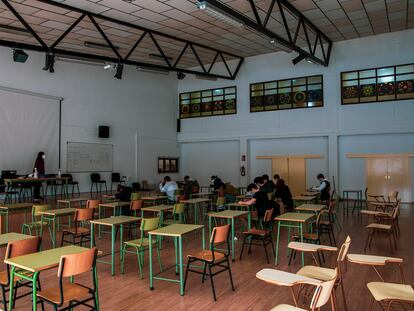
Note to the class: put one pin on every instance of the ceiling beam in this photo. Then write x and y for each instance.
(262, 28)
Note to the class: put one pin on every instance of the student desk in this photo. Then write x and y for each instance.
(69, 202)
(311, 208)
(292, 220)
(37, 262)
(196, 203)
(157, 209)
(200, 195)
(155, 199)
(310, 193)
(176, 231)
(304, 199)
(11, 237)
(7, 209)
(357, 203)
(113, 223)
(54, 214)
(230, 215)
(239, 206)
(115, 206)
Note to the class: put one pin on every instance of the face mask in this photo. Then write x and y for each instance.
(44, 157)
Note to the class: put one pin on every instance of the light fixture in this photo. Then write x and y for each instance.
(280, 46)
(119, 71)
(99, 46)
(78, 60)
(153, 70)
(109, 66)
(160, 57)
(14, 30)
(206, 77)
(218, 14)
(20, 56)
(49, 62)
(310, 61)
(298, 58)
(180, 75)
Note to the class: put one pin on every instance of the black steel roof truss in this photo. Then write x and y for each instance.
(119, 59)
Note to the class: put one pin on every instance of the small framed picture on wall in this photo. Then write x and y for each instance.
(167, 165)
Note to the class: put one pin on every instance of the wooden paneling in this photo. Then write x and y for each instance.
(293, 171)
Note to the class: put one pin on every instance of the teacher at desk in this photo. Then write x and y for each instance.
(39, 167)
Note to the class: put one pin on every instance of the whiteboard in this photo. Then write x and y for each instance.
(89, 157)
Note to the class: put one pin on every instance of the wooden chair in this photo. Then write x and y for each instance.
(323, 293)
(135, 196)
(37, 223)
(96, 180)
(94, 204)
(142, 244)
(116, 179)
(263, 235)
(178, 215)
(391, 293)
(212, 258)
(220, 204)
(73, 294)
(324, 274)
(71, 182)
(82, 215)
(15, 249)
(134, 210)
(389, 229)
(327, 225)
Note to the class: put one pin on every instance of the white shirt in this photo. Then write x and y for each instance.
(169, 189)
(321, 186)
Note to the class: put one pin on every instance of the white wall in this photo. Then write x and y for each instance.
(140, 110)
(331, 121)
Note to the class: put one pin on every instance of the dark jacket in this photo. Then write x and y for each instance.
(40, 166)
(262, 203)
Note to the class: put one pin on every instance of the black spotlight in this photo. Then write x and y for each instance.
(180, 76)
(49, 63)
(119, 71)
(19, 56)
(298, 59)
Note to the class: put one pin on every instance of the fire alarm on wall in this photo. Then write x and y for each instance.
(243, 157)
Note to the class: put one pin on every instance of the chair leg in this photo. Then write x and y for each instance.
(212, 282)
(204, 273)
(140, 264)
(265, 249)
(343, 294)
(367, 240)
(230, 275)
(244, 242)
(186, 273)
(3, 292)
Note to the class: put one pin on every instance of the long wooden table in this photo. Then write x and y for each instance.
(36, 263)
(7, 209)
(31, 180)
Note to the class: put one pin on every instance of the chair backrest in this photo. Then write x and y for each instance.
(93, 203)
(282, 207)
(395, 211)
(75, 264)
(37, 209)
(220, 235)
(67, 176)
(23, 247)
(83, 214)
(95, 177)
(323, 293)
(269, 196)
(148, 224)
(179, 208)
(181, 197)
(393, 196)
(135, 196)
(221, 201)
(268, 218)
(115, 177)
(136, 205)
(343, 251)
(144, 184)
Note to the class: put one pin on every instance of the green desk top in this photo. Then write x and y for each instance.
(17, 206)
(310, 193)
(115, 204)
(41, 179)
(228, 214)
(195, 201)
(310, 207)
(176, 230)
(11, 237)
(115, 221)
(44, 260)
(236, 204)
(158, 208)
(200, 194)
(304, 197)
(155, 197)
(59, 212)
(73, 200)
(295, 217)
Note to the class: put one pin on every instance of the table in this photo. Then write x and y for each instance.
(155, 199)
(114, 205)
(358, 202)
(313, 208)
(157, 209)
(7, 209)
(230, 215)
(196, 203)
(54, 214)
(237, 206)
(176, 231)
(113, 222)
(11, 237)
(291, 220)
(9, 182)
(37, 262)
(310, 193)
(304, 199)
(69, 202)
(200, 194)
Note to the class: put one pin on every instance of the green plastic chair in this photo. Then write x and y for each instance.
(178, 215)
(141, 244)
(37, 223)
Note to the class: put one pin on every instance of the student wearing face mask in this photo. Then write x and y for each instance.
(40, 167)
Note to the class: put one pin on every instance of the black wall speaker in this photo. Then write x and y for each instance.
(178, 125)
(103, 131)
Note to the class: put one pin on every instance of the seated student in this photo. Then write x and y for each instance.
(216, 182)
(259, 199)
(283, 193)
(190, 186)
(268, 185)
(324, 188)
(169, 186)
(124, 194)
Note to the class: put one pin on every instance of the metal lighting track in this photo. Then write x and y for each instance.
(117, 58)
(260, 26)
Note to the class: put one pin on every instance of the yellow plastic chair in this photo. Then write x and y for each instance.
(135, 196)
(141, 244)
(37, 223)
(178, 215)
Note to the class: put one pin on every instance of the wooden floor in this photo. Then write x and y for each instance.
(128, 292)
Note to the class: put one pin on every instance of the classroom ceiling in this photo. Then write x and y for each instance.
(338, 19)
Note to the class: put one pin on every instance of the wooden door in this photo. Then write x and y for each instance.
(376, 176)
(280, 166)
(297, 175)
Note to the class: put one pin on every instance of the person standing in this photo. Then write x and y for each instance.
(39, 166)
(169, 186)
(324, 188)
